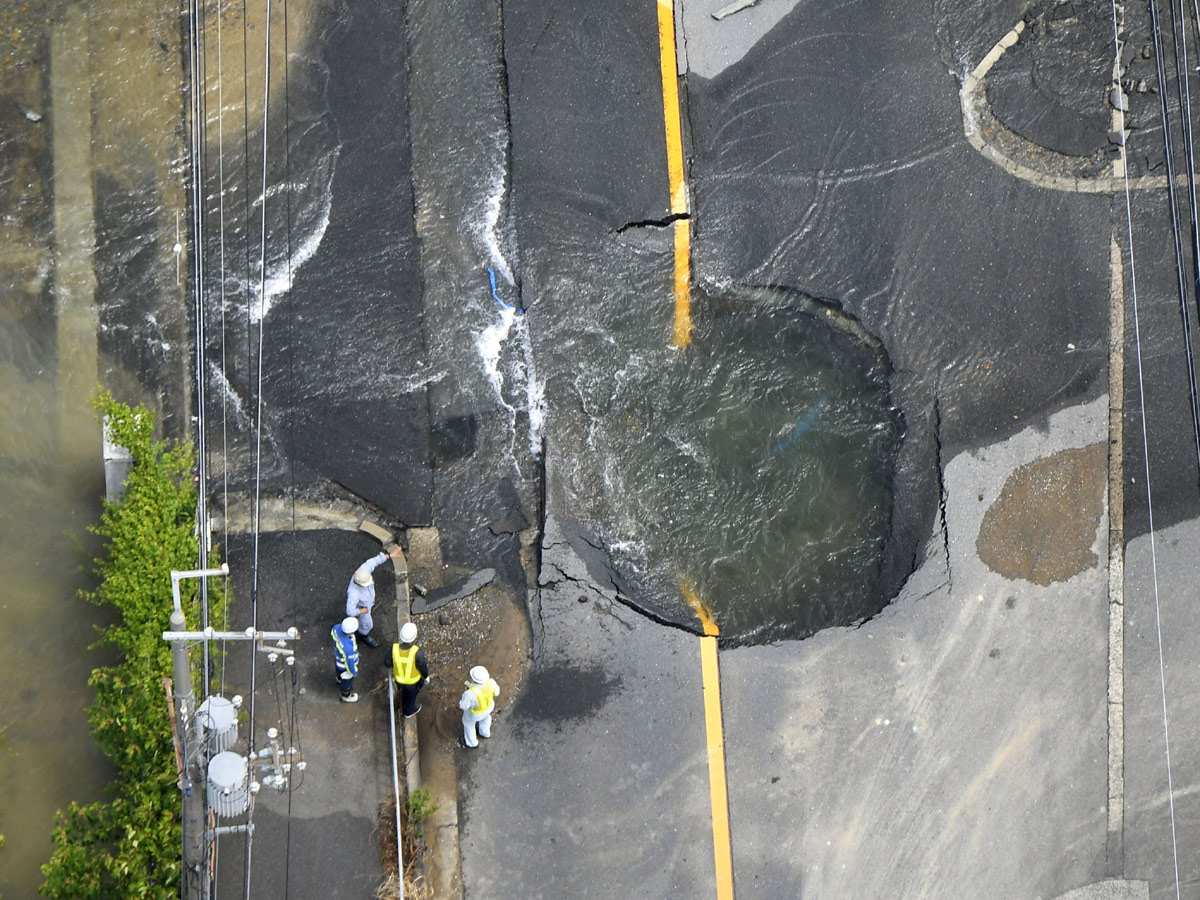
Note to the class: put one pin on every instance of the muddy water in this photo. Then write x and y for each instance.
(51, 481)
(88, 180)
(752, 471)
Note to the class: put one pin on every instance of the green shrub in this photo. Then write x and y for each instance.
(130, 846)
(420, 806)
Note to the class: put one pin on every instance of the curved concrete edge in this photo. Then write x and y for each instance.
(286, 514)
(399, 568)
(1113, 889)
(989, 136)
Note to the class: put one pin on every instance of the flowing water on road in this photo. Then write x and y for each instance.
(755, 466)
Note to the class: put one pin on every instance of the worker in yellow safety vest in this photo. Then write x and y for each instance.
(477, 703)
(409, 668)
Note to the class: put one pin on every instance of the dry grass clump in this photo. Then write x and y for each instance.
(413, 890)
(416, 886)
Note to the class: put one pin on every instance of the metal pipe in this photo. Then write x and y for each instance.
(178, 576)
(396, 787)
(192, 824)
(249, 635)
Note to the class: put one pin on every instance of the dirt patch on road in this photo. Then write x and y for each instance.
(1043, 525)
(489, 628)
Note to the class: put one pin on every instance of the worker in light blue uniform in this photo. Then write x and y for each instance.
(477, 703)
(360, 594)
(345, 657)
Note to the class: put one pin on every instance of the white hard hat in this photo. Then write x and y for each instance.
(479, 675)
(350, 624)
(408, 633)
(362, 576)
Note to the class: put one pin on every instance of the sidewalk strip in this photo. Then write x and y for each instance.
(682, 333)
(1116, 560)
(715, 729)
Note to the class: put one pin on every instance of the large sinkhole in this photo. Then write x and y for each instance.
(752, 469)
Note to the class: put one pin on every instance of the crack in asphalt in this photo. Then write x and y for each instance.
(652, 223)
(941, 486)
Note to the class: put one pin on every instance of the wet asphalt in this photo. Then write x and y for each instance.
(955, 745)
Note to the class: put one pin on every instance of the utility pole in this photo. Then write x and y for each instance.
(190, 784)
(195, 748)
(193, 807)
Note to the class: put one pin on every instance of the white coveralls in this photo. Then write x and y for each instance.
(477, 703)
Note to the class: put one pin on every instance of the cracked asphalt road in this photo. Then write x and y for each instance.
(953, 746)
(956, 744)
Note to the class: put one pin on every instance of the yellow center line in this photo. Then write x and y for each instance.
(715, 729)
(681, 335)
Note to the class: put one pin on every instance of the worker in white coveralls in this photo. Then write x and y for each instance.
(477, 703)
(360, 594)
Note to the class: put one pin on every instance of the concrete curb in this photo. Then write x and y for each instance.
(444, 848)
(1115, 852)
(1026, 160)
(1109, 890)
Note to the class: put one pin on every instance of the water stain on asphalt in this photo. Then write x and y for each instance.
(1043, 525)
(560, 693)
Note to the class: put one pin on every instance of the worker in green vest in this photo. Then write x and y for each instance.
(409, 668)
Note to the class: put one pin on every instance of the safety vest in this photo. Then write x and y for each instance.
(345, 650)
(483, 697)
(404, 664)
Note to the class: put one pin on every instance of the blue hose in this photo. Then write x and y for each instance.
(496, 297)
(805, 425)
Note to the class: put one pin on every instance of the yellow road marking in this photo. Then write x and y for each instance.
(688, 589)
(682, 333)
(715, 729)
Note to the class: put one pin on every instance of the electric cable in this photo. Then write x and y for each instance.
(291, 413)
(247, 278)
(1184, 94)
(1146, 453)
(197, 264)
(213, 844)
(262, 298)
(222, 300)
(1168, 156)
(200, 92)
(1184, 91)
(199, 88)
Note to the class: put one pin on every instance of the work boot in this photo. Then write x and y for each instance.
(350, 698)
(368, 640)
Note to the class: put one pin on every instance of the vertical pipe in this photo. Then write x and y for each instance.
(396, 787)
(193, 824)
